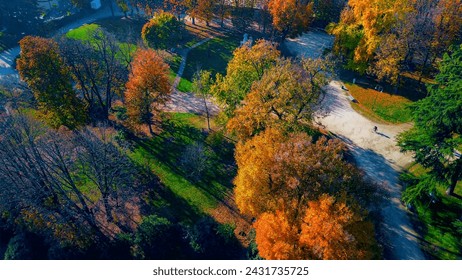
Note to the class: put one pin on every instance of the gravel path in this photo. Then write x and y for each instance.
(375, 153)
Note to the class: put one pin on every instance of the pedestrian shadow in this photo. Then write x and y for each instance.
(384, 135)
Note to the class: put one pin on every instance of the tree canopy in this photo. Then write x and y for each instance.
(247, 66)
(43, 69)
(435, 138)
(148, 87)
(162, 31)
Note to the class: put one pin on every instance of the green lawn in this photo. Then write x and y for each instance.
(162, 153)
(212, 56)
(83, 32)
(439, 222)
(380, 106)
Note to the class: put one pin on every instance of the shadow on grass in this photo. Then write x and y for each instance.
(167, 148)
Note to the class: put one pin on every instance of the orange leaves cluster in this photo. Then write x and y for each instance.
(329, 230)
(291, 17)
(296, 189)
(277, 238)
(148, 87)
(276, 169)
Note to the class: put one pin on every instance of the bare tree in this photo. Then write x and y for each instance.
(98, 68)
(60, 178)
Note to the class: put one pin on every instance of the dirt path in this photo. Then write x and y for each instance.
(187, 102)
(379, 157)
(375, 153)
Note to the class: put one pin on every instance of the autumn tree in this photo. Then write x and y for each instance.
(97, 68)
(386, 38)
(43, 69)
(205, 10)
(435, 138)
(328, 230)
(285, 97)
(247, 66)
(276, 169)
(202, 9)
(41, 177)
(148, 87)
(291, 17)
(162, 31)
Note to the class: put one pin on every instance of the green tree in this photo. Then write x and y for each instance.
(247, 66)
(162, 31)
(43, 69)
(285, 96)
(436, 136)
(158, 238)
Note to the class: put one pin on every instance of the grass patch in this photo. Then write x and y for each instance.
(380, 106)
(439, 221)
(162, 153)
(212, 56)
(185, 85)
(83, 32)
(125, 29)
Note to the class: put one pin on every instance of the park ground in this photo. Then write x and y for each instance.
(435, 234)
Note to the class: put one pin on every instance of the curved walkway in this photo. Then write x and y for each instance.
(375, 153)
(188, 102)
(380, 159)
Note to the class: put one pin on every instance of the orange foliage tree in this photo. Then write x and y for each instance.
(148, 87)
(330, 229)
(291, 17)
(276, 169)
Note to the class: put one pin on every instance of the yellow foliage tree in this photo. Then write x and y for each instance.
(291, 17)
(285, 96)
(247, 66)
(276, 169)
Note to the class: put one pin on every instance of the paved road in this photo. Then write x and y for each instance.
(9, 74)
(375, 153)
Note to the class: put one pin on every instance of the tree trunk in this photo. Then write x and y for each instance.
(455, 177)
(108, 209)
(427, 56)
(207, 112)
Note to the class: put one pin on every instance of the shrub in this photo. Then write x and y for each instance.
(162, 31)
(194, 161)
